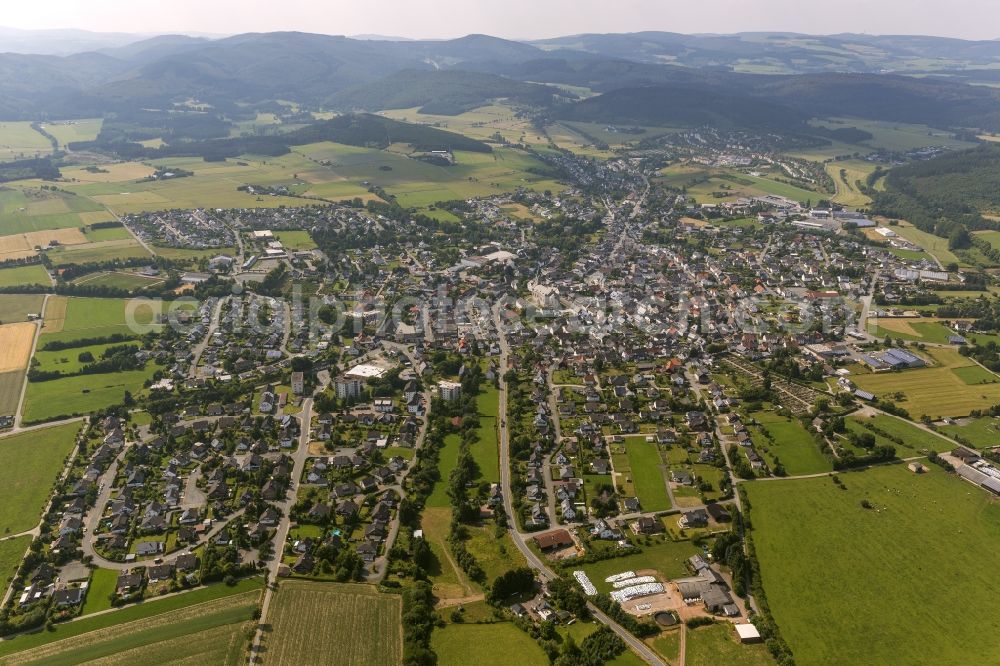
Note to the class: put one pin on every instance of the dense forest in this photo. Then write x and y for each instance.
(364, 130)
(946, 196)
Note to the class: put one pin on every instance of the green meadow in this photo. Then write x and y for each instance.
(854, 585)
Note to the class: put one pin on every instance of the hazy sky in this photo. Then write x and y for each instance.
(977, 19)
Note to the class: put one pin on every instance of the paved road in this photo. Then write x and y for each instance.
(299, 458)
(212, 327)
(533, 560)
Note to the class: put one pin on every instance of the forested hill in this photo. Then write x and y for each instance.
(677, 105)
(948, 195)
(444, 92)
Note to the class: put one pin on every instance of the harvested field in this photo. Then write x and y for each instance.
(55, 314)
(16, 246)
(354, 622)
(15, 346)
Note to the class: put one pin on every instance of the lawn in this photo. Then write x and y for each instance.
(717, 644)
(494, 554)
(666, 556)
(447, 462)
(848, 193)
(133, 619)
(792, 445)
(30, 463)
(921, 330)
(312, 621)
(21, 276)
(982, 432)
(486, 452)
(647, 474)
(935, 245)
(667, 645)
(213, 632)
(498, 644)
(914, 437)
(823, 556)
(448, 581)
(74, 318)
(81, 394)
(17, 307)
(102, 586)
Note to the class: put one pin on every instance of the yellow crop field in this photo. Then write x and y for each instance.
(15, 345)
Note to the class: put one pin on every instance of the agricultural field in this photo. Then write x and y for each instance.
(497, 644)
(24, 207)
(21, 276)
(10, 391)
(207, 626)
(11, 554)
(890, 557)
(481, 123)
(75, 317)
(791, 444)
(19, 140)
(30, 462)
(646, 470)
(665, 556)
(709, 185)
(68, 131)
(107, 234)
(17, 307)
(22, 245)
(110, 250)
(717, 644)
(81, 394)
(897, 136)
(419, 184)
(355, 622)
(15, 345)
(952, 388)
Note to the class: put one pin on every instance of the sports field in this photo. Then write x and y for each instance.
(850, 585)
(295, 240)
(30, 462)
(354, 622)
(498, 644)
(211, 632)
